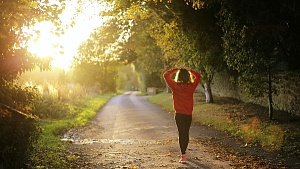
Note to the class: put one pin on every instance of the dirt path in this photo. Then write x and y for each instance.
(130, 132)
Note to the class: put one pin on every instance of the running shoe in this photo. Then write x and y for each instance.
(183, 159)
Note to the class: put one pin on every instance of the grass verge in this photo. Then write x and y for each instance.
(244, 121)
(49, 149)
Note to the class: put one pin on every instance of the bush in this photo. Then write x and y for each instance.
(51, 108)
(20, 107)
(55, 100)
(18, 133)
(18, 97)
(18, 128)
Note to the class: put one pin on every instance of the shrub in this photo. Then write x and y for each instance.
(18, 133)
(18, 128)
(51, 108)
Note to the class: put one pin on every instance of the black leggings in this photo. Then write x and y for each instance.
(183, 123)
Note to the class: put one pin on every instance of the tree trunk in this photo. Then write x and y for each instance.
(208, 93)
(270, 95)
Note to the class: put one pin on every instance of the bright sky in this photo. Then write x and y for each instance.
(86, 21)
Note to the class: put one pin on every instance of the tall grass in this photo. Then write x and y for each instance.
(55, 104)
(60, 108)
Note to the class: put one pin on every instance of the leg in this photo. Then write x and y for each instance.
(183, 123)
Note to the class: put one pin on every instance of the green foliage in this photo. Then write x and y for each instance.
(176, 34)
(148, 54)
(56, 99)
(103, 76)
(47, 101)
(148, 60)
(52, 108)
(254, 35)
(128, 78)
(251, 38)
(49, 150)
(292, 134)
(18, 134)
(18, 97)
(16, 117)
(18, 128)
(15, 16)
(54, 92)
(137, 47)
(94, 66)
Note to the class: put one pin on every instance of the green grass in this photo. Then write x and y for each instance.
(49, 150)
(164, 99)
(244, 121)
(89, 109)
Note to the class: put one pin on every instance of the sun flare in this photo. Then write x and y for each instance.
(43, 45)
(64, 47)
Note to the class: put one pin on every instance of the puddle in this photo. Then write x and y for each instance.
(117, 141)
(109, 141)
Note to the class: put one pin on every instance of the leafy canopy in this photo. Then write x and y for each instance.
(95, 65)
(15, 16)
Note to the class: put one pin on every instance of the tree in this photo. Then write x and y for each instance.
(193, 39)
(95, 65)
(147, 58)
(252, 37)
(15, 16)
(128, 79)
(137, 47)
(186, 37)
(256, 40)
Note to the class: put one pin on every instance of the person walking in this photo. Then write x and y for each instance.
(183, 87)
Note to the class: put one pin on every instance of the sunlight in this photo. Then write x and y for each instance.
(63, 48)
(44, 44)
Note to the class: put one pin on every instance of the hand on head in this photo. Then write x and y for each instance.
(183, 67)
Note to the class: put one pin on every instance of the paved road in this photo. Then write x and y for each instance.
(130, 132)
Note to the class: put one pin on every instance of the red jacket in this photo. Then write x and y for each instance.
(183, 98)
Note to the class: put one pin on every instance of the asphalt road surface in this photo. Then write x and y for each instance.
(130, 132)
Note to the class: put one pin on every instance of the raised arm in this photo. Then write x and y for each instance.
(197, 77)
(167, 75)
